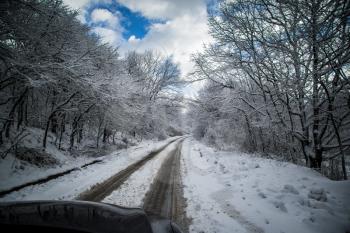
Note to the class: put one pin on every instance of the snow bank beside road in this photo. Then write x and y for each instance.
(236, 192)
(15, 172)
(71, 185)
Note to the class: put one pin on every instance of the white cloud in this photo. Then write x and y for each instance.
(109, 35)
(181, 37)
(103, 15)
(81, 5)
(133, 40)
(165, 9)
(111, 32)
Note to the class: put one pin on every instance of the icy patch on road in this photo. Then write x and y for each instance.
(133, 191)
(70, 186)
(237, 192)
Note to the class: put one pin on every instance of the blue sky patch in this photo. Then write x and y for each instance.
(133, 23)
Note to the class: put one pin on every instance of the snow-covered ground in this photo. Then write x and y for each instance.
(133, 191)
(237, 192)
(15, 172)
(69, 186)
(225, 191)
(13, 175)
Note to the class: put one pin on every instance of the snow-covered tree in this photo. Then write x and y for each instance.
(288, 63)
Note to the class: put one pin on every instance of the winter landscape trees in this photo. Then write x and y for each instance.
(250, 148)
(277, 80)
(279, 75)
(58, 78)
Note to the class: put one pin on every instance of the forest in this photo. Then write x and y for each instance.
(59, 78)
(276, 82)
(278, 76)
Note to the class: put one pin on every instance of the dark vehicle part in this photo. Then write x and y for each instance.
(79, 217)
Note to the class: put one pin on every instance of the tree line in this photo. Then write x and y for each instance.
(56, 76)
(278, 81)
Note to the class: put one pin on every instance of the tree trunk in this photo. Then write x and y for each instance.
(104, 139)
(46, 131)
(74, 131)
(19, 114)
(62, 129)
(80, 132)
(54, 124)
(315, 89)
(251, 135)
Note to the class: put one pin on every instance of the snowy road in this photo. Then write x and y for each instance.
(205, 190)
(70, 186)
(156, 187)
(165, 197)
(102, 190)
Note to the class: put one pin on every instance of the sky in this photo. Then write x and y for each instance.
(171, 27)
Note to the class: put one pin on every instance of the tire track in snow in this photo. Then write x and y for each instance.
(132, 192)
(99, 191)
(165, 197)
